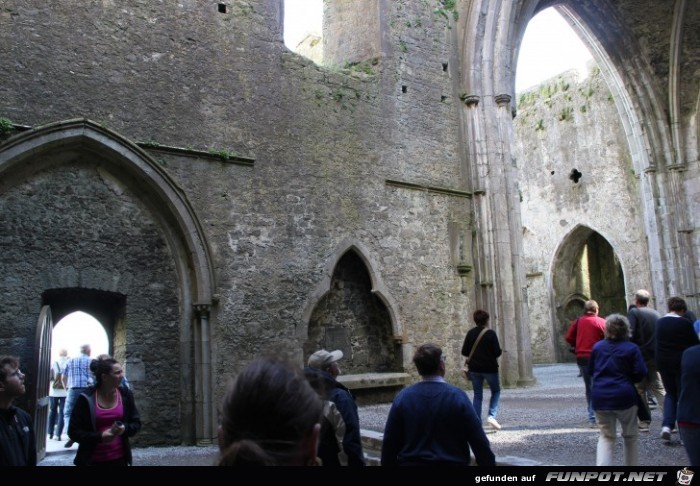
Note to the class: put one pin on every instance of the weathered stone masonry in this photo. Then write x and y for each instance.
(231, 199)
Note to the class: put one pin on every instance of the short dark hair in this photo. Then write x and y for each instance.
(676, 304)
(13, 361)
(427, 359)
(617, 328)
(481, 317)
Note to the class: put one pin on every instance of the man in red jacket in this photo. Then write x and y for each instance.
(582, 335)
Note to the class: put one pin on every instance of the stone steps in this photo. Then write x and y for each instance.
(372, 448)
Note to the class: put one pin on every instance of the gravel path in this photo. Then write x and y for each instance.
(547, 425)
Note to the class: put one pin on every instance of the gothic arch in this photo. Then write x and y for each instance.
(55, 144)
(575, 276)
(490, 36)
(133, 162)
(378, 287)
(641, 104)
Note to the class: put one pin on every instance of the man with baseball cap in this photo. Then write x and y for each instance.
(325, 365)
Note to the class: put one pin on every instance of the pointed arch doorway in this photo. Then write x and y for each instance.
(585, 267)
(107, 307)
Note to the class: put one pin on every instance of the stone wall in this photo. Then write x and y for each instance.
(76, 226)
(373, 156)
(563, 125)
(324, 144)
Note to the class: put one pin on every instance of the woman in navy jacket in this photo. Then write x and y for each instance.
(616, 364)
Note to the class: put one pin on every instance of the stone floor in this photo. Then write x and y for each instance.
(542, 425)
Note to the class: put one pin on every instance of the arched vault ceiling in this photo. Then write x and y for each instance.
(650, 24)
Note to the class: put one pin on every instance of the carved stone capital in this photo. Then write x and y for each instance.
(463, 269)
(202, 310)
(503, 99)
(470, 100)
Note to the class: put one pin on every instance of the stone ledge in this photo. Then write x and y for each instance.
(372, 446)
(373, 388)
(375, 380)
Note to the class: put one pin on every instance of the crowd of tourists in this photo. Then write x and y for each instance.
(277, 414)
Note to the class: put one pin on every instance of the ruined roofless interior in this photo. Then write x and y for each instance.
(210, 196)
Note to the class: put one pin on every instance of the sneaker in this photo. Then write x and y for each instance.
(68, 444)
(665, 433)
(592, 425)
(643, 426)
(494, 423)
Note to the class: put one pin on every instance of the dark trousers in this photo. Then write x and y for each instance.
(583, 368)
(672, 384)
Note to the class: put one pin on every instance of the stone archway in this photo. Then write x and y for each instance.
(584, 267)
(136, 204)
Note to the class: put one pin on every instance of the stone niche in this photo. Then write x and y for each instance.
(353, 319)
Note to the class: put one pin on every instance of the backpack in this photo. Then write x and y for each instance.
(58, 378)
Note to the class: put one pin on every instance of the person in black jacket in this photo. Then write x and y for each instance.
(674, 334)
(325, 364)
(483, 365)
(104, 418)
(17, 440)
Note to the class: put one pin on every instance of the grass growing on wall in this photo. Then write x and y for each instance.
(6, 126)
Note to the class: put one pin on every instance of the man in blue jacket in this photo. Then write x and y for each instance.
(433, 423)
(325, 364)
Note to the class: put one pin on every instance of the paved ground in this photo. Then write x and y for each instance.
(542, 425)
(547, 425)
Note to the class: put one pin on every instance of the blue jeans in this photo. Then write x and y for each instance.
(672, 384)
(57, 405)
(587, 383)
(73, 394)
(477, 380)
(691, 442)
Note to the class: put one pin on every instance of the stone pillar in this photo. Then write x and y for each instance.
(499, 272)
(205, 410)
(518, 329)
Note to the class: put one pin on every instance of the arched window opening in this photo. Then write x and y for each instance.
(549, 48)
(76, 329)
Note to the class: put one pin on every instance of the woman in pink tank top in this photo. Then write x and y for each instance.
(104, 418)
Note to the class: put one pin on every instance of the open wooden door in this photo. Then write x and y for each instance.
(39, 401)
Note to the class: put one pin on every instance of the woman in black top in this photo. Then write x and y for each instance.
(483, 365)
